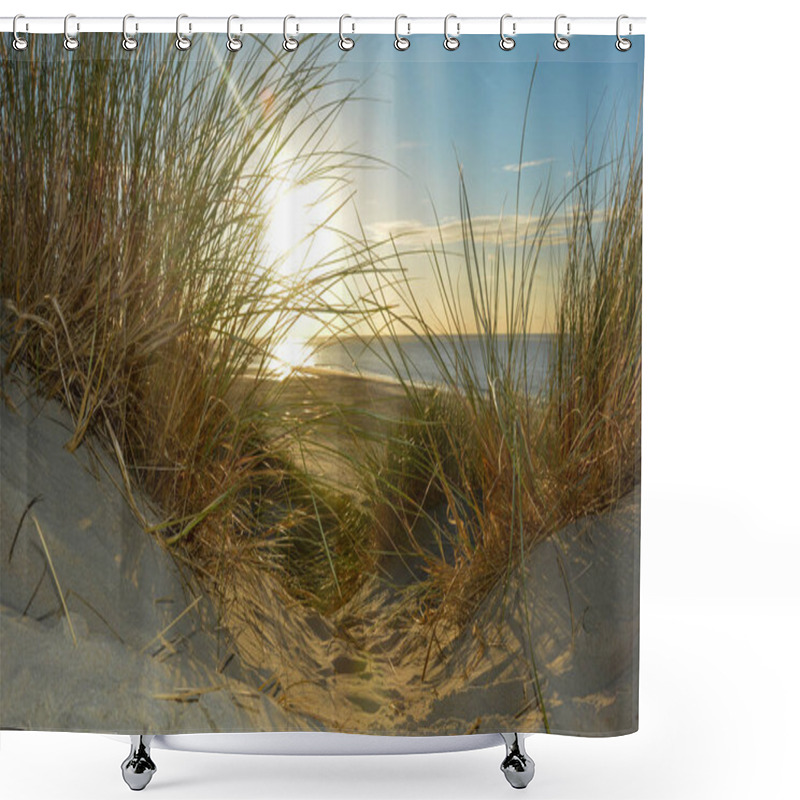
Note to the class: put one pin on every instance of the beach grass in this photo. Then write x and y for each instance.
(135, 199)
(134, 203)
(594, 399)
(485, 464)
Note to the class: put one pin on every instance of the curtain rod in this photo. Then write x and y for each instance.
(408, 26)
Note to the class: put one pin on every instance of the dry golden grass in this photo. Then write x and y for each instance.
(133, 204)
(134, 199)
(475, 477)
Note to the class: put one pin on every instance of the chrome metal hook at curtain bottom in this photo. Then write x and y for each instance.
(138, 768)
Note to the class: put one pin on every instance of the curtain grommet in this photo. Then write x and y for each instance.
(234, 43)
(70, 42)
(290, 44)
(128, 41)
(561, 43)
(19, 43)
(451, 42)
(401, 43)
(182, 42)
(622, 44)
(345, 43)
(507, 42)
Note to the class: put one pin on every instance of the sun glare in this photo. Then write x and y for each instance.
(289, 356)
(297, 248)
(296, 238)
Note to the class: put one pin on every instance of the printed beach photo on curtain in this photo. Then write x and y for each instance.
(321, 385)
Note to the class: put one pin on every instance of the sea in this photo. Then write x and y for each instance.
(414, 359)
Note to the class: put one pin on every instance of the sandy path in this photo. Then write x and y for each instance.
(145, 633)
(575, 605)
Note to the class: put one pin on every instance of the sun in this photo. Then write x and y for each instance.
(297, 237)
(298, 248)
(290, 356)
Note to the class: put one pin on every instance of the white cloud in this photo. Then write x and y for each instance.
(489, 228)
(526, 164)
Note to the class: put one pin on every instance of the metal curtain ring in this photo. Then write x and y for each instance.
(623, 45)
(289, 44)
(507, 42)
(128, 42)
(344, 42)
(561, 43)
(70, 42)
(234, 42)
(451, 42)
(19, 43)
(181, 41)
(400, 42)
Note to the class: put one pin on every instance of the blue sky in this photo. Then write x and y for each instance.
(426, 104)
(421, 107)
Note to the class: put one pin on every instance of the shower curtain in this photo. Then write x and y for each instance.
(321, 384)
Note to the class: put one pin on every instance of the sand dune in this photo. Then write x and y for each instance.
(152, 654)
(582, 593)
(122, 590)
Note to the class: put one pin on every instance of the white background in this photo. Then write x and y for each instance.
(720, 605)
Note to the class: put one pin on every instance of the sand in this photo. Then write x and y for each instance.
(142, 631)
(341, 414)
(265, 662)
(361, 670)
(582, 589)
